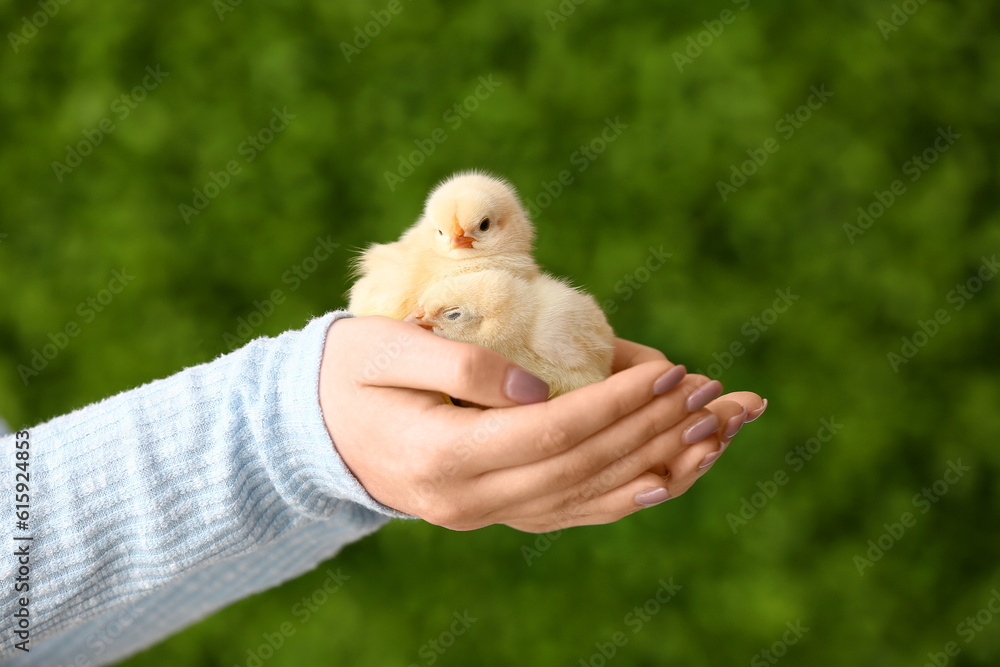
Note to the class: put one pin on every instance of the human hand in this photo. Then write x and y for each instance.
(732, 411)
(536, 465)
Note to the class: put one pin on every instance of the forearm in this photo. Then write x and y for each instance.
(141, 491)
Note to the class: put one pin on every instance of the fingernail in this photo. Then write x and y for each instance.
(711, 458)
(734, 424)
(523, 387)
(651, 497)
(701, 396)
(669, 380)
(756, 413)
(701, 430)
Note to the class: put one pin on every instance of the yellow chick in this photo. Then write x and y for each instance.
(542, 324)
(471, 221)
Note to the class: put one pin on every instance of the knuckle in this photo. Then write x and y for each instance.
(678, 490)
(655, 355)
(680, 484)
(428, 487)
(572, 472)
(553, 438)
(693, 382)
(441, 515)
(433, 483)
(465, 367)
(645, 433)
(652, 423)
(571, 512)
(621, 404)
(451, 514)
(426, 468)
(573, 503)
(425, 500)
(431, 505)
(438, 500)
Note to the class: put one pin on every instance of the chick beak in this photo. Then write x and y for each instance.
(417, 317)
(458, 239)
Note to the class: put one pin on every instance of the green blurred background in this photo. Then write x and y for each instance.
(695, 91)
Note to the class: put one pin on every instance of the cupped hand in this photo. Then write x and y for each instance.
(591, 456)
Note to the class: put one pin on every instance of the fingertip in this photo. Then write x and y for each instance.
(628, 354)
(704, 395)
(669, 380)
(522, 387)
(652, 496)
(710, 458)
(734, 424)
(756, 413)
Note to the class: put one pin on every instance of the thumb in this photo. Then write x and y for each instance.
(382, 352)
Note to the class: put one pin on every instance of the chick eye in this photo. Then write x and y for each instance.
(453, 315)
(440, 233)
(484, 225)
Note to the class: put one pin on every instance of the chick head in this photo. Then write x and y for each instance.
(469, 307)
(476, 214)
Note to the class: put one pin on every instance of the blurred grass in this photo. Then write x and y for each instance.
(655, 184)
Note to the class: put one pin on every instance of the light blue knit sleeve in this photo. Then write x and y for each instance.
(155, 507)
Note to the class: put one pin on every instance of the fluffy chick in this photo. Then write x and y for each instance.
(542, 324)
(471, 221)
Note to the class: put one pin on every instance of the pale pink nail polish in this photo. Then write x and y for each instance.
(734, 424)
(703, 395)
(701, 430)
(523, 387)
(651, 497)
(669, 380)
(756, 413)
(710, 459)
